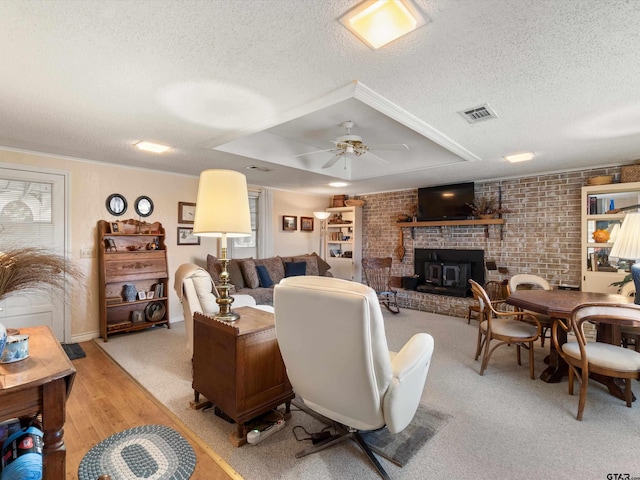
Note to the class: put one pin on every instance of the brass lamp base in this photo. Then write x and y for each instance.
(225, 300)
(227, 317)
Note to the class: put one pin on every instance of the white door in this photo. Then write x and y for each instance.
(32, 213)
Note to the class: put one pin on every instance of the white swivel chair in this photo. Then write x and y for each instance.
(197, 293)
(537, 283)
(332, 338)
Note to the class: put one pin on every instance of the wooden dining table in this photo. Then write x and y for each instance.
(558, 304)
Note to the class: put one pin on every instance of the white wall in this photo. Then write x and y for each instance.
(90, 185)
(288, 243)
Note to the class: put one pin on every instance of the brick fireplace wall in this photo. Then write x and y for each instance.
(541, 235)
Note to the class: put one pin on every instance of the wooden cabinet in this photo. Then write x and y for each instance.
(598, 271)
(238, 366)
(344, 242)
(132, 257)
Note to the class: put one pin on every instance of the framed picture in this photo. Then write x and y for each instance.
(306, 224)
(150, 294)
(115, 228)
(289, 223)
(186, 212)
(186, 236)
(142, 295)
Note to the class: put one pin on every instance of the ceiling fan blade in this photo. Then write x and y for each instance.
(369, 154)
(311, 153)
(333, 161)
(390, 146)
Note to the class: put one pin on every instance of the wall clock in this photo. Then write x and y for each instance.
(116, 204)
(144, 206)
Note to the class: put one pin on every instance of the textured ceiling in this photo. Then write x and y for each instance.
(233, 84)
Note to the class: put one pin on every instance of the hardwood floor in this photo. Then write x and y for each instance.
(106, 400)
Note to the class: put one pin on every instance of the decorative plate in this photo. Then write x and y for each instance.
(154, 312)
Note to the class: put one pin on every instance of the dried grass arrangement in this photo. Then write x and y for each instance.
(30, 269)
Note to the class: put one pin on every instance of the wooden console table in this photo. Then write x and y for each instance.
(40, 383)
(238, 367)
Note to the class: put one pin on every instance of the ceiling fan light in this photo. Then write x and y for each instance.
(379, 22)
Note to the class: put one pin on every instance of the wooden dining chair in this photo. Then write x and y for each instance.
(585, 358)
(496, 295)
(533, 282)
(507, 328)
(630, 334)
(377, 275)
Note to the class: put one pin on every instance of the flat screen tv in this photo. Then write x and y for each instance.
(445, 202)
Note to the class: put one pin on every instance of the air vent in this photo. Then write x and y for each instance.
(479, 114)
(255, 167)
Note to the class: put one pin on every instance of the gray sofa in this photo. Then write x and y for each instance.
(257, 276)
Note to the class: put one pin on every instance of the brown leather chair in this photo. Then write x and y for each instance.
(602, 358)
(507, 328)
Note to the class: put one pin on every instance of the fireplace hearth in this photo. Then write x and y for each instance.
(447, 271)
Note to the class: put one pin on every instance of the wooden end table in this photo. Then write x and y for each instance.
(40, 383)
(238, 367)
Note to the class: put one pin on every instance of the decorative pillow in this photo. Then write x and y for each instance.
(248, 268)
(323, 267)
(235, 274)
(213, 267)
(312, 263)
(274, 266)
(294, 269)
(263, 276)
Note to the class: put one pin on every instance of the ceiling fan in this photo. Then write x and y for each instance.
(353, 144)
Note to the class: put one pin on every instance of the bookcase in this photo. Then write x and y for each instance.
(603, 209)
(134, 276)
(344, 242)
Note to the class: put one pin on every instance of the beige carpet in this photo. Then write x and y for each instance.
(503, 425)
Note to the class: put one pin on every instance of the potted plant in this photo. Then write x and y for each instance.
(486, 207)
(28, 269)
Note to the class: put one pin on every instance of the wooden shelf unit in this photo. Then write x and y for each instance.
(594, 217)
(125, 258)
(347, 267)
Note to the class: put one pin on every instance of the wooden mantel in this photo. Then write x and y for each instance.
(444, 223)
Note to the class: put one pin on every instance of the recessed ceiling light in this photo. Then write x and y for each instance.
(151, 147)
(338, 184)
(379, 22)
(519, 157)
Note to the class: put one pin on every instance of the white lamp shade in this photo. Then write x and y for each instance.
(322, 215)
(222, 207)
(627, 242)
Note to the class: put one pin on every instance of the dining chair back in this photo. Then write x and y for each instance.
(507, 328)
(496, 294)
(585, 358)
(630, 335)
(533, 282)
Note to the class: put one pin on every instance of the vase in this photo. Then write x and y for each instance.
(486, 216)
(129, 292)
(3, 338)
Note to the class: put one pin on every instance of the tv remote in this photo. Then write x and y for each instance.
(256, 436)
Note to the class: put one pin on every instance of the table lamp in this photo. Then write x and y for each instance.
(222, 210)
(322, 216)
(627, 246)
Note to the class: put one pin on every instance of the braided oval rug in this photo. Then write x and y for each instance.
(152, 452)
